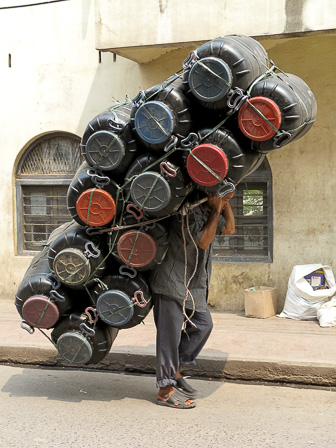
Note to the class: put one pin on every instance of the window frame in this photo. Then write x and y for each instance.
(65, 181)
(43, 180)
(263, 176)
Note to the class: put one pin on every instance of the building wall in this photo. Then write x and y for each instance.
(56, 83)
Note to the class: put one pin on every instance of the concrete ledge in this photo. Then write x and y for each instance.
(207, 367)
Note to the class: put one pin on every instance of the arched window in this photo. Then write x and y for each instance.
(43, 175)
(252, 207)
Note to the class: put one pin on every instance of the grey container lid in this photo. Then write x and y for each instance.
(105, 150)
(74, 348)
(150, 191)
(115, 307)
(210, 79)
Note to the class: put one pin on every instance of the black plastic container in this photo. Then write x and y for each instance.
(92, 197)
(82, 341)
(77, 258)
(214, 69)
(126, 301)
(40, 299)
(160, 190)
(227, 155)
(161, 116)
(287, 102)
(108, 143)
(142, 247)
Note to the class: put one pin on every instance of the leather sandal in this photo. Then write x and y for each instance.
(185, 388)
(175, 401)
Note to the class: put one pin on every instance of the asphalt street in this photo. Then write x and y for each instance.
(76, 408)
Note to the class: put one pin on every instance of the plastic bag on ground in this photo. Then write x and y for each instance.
(326, 314)
(302, 301)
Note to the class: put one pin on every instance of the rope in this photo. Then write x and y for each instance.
(43, 313)
(44, 334)
(89, 207)
(187, 283)
(213, 73)
(133, 246)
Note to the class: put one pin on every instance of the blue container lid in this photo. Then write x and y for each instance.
(210, 79)
(154, 122)
(150, 191)
(74, 348)
(115, 307)
(105, 150)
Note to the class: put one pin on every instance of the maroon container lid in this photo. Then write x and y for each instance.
(40, 312)
(136, 248)
(214, 158)
(95, 207)
(253, 125)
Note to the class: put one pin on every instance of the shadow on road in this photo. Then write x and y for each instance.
(79, 385)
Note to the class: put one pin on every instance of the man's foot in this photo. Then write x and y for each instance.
(185, 388)
(168, 397)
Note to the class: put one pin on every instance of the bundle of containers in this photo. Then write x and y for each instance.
(204, 129)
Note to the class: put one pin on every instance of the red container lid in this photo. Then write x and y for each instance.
(214, 158)
(40, 312)
(253, 125)
(101, 204)
(144, 248)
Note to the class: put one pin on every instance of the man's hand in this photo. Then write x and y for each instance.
(226, 199)
(215, 203)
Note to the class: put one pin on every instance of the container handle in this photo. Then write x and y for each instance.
(190, 61)
(56, 284)
(135, 299)
(25, 326)
(91, 250)
(281, 139)
(87, 311)
(190, 141)
(236, 99)
(128, 271)
(53, 294)
(90, 231)
(115, 125)
(98, 178)
(225, 188)
(171, 144)
(86, 329)
(135, 211)
(139, 99)
(167, 169)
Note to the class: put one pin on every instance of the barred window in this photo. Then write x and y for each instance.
(42, 179)
(252, 208)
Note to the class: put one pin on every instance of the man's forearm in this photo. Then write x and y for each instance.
(210, 229)
(229, 228)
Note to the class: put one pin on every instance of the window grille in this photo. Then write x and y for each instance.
(252, 208)
(43, 176)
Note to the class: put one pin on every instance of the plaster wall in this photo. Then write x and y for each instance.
(162, 25)
(51, 80)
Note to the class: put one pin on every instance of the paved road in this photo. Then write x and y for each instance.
(69, 408)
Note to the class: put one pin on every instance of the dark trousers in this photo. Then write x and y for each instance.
(174, 346)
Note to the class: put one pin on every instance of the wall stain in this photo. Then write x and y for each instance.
(163, 6)
(294, 10)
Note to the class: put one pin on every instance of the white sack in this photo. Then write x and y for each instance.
(326, 314)
(302, 302)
